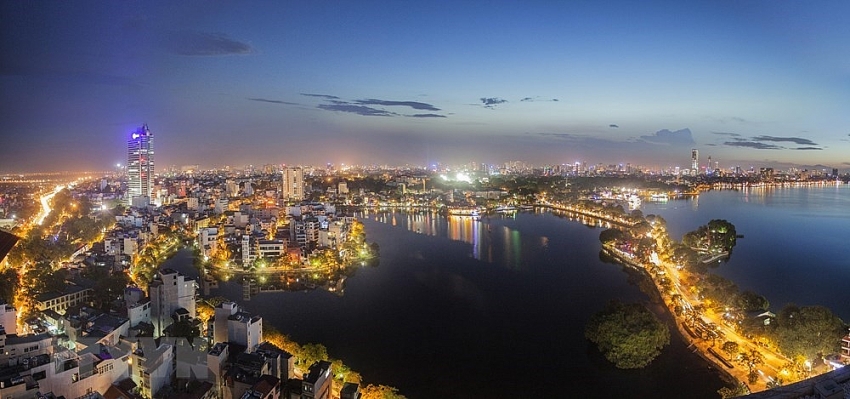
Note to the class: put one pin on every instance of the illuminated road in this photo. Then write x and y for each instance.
(773, 363)
(45, 204)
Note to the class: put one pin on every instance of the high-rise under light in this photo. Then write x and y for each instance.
(140, 166)
(292, 184)
(694, 159)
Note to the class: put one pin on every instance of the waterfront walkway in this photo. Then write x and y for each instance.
(708, 322)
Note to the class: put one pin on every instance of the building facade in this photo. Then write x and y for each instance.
(170, 291)
(292, 187)
(140, 163)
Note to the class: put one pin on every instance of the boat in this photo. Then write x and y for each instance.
(659, 197)
(464, 211)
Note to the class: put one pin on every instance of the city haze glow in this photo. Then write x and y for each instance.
(749, 83)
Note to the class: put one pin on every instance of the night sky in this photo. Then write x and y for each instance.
(395, 82)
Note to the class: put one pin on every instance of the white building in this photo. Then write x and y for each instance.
(233, 325)
(8, 319)
(292, 186)
(271, 248)
(170, 291)
(151, 366)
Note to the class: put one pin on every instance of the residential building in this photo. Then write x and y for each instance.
(170, 291)
(271, 248)
(151, 366)
(73, 295)
(292, 185)
(8, 319)
(350, 390)
(317, 382)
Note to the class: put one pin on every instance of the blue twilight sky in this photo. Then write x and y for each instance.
(232, 83)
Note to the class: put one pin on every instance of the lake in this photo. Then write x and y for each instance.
(796, 245)
(491, 308)
(496, 308)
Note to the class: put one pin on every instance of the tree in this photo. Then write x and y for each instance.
(312, 353)
(808, 331)
(380, 392)
(731, 348)
(738, 390)
(610, 236)
(186, 329)
(8, 285)
(751, 360)
(749, 301)
(629, 335)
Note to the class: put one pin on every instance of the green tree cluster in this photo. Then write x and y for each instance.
(629, 335)
(307, 354)
(808, 331)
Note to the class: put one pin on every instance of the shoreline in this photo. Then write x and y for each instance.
(677, 324)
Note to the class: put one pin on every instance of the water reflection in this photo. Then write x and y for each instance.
(489, 238)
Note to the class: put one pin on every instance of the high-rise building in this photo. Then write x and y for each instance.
(292, 187)
(140, 165)
(695, 159)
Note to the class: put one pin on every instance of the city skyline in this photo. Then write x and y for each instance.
(757, 83)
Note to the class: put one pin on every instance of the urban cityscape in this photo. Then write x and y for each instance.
(310, 201)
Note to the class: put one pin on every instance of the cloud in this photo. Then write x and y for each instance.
(735, 119)
(753, 144)
(808, 148)
(528, 99)
(193, 43)
(265, 100)
(325, 96)
(795, 140)
(411, 104)
(614, 126)
(726, 134)
(665, 136)
(427, 116)
(356, 109)
(490, 102)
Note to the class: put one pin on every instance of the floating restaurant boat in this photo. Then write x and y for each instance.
(464, 211)
(659, 197)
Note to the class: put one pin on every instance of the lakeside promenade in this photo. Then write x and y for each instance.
(691, 319)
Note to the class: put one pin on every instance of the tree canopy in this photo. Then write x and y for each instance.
(808, 331)
(629, 335)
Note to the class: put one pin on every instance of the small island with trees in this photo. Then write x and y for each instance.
(629, 335)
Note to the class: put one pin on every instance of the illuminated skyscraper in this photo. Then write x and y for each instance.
(140, 166)
(292, 186)
(695, 160)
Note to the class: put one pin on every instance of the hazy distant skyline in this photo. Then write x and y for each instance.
(233, 83)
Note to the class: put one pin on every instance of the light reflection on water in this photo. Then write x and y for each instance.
(492, 238)
(793, 244)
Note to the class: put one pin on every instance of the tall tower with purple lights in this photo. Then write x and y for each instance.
(140, 165)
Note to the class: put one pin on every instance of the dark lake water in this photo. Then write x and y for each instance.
(796, 245)
(497, 308)
(487, 309)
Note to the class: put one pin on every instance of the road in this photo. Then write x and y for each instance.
(45, 204)
(774, 362)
